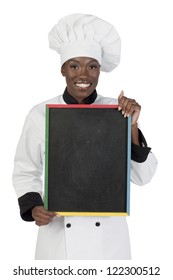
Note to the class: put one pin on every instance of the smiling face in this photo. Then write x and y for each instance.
(82, 74)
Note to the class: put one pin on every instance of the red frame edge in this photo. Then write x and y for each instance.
(82, 106)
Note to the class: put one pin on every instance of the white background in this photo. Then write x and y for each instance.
(30, 73)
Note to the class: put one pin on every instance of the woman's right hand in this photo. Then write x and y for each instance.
(42, 216)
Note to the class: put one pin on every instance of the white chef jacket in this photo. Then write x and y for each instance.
(70, 238)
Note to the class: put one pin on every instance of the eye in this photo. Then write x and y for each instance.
(93, 66)
(74, 66)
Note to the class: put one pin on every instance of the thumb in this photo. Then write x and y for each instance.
(121, 95)
(119, 99)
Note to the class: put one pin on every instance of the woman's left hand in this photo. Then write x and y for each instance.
(129, 107)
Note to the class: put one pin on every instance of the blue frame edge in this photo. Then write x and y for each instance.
(128, 162)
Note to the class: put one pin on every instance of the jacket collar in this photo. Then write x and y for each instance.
(69, 99)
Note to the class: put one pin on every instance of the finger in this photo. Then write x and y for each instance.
(44, 220)
(121, 95)
(39, 216)
(41, 222)
(41, 210)
(129, 107)
(123, 102)
(134, 108)
(42, 217)
(57, 214)
(47, 212)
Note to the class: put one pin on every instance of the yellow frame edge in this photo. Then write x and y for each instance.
(91, 214)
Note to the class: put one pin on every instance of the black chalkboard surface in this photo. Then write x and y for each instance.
(87, 169)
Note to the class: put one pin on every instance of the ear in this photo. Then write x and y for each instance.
(63, 70)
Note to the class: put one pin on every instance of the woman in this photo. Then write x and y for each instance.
(86, 45)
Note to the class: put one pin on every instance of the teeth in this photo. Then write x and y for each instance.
(82, 85)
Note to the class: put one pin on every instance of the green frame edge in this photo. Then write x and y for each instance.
(46, 157)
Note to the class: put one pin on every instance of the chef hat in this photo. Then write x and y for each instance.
(82, 35)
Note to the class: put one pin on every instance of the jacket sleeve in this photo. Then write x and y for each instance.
(143, 162)
(27, 173)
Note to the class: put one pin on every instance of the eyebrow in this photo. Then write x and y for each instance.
(77, 61)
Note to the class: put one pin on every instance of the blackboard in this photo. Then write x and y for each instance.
(87, 160)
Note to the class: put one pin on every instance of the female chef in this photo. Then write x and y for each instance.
(86, 44)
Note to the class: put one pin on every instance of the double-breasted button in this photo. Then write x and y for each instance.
(68, 225)
(97, 224)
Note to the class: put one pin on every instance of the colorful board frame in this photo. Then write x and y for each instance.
(99, 134)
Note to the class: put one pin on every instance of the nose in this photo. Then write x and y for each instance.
(83, 72)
